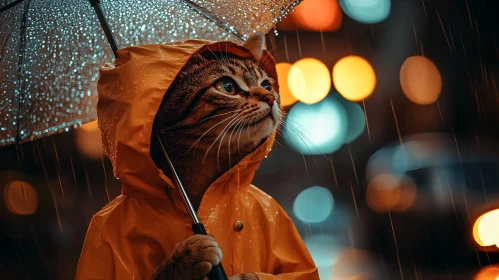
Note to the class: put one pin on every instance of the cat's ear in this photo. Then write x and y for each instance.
(255, 43)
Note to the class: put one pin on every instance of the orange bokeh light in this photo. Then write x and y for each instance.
(488, 273)
(287, 98)
(21, 198)
(486, 229)
(420, 80)
(387, 192)
(309, 80)
(354, 78)
(319, 15)
(353, 264)
(88, 140)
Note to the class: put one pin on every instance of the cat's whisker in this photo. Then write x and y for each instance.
(224, 132)
(236, 129)
(216, 57)
(303, 136)
(209, 148)
(230, 137)
(225, 61)
(278, 141)
(175, 125)
(240, 132)
(217, 124)
(296, 123)
(302, 155)
(250, 120)
(226, 53)
(263, 61)
(272, 50)
(207, 118)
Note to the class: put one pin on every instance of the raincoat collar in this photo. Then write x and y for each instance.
(130, 92)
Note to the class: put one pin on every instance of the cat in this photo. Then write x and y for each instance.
(218, 109)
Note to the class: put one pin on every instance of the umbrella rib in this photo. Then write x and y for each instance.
(211, 17)
(10, 5)
(20, 63)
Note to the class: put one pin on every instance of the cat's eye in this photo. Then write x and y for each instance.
(266, 85)
(226, 85)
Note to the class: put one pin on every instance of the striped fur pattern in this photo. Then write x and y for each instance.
(218, 109)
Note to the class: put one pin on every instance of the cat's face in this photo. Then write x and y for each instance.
(221, 104)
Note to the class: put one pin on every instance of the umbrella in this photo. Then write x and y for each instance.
(50, 53)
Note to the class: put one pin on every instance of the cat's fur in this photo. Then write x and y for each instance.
(194, 114)
(207, 131)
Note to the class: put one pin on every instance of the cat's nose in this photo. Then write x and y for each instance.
(260, 94)
(269, 98)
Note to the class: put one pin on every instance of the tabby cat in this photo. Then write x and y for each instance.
(218, 109)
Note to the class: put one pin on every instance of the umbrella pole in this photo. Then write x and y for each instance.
(105, 26)
(217, 272)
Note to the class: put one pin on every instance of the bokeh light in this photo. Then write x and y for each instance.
(287, 98)
(486, 229)
(366, 11)
(420, 80)
(356, 120)
(88, 140)
(412, 155)
(309, 80)
(21, 198)
(352, 264)
(387, 192)
(354, 78)
(316, 129)
(313, 205)
(319, 15)
(380, 162)
(490, 272)
(324, 250)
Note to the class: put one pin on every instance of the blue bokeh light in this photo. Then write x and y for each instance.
(324, 249)
(313, 205)
(366, 11)
(412, 155)
(316, 129)
(356, 119)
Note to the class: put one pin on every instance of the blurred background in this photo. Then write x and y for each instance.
(388, 162)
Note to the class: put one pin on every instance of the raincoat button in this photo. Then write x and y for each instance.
(238, 226)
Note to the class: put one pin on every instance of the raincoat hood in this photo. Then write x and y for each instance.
(130, 94)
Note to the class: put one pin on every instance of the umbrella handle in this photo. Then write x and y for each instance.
(217, 272)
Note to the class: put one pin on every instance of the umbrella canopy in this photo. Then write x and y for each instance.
(50, 51)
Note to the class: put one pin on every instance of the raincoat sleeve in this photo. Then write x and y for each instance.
(96, 259)
(288, 259)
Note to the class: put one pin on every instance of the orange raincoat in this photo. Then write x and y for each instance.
(132, 235)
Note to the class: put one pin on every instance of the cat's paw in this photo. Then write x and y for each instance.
(192, 259)
(246, 276)
(198, 254)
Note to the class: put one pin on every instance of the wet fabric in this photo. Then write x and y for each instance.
(138, 230)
